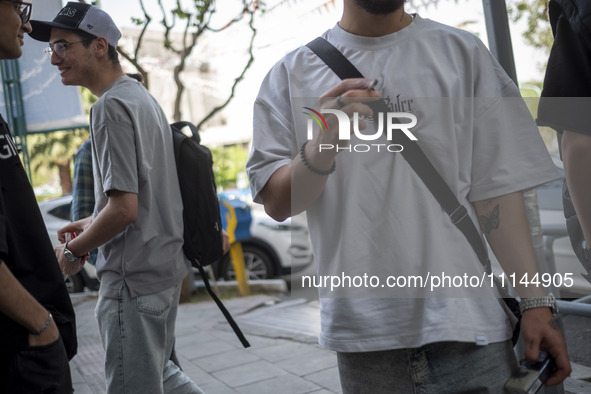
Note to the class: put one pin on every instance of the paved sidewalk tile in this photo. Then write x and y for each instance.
(225, 360)
(278, 361)
(281, 384)
(280, 351)
(253, 372)
(314, 360)
(328, 378)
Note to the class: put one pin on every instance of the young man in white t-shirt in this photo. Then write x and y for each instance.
(383, 245)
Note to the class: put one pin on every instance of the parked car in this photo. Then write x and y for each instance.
(56, 214)
(552, 219)
(271, 248)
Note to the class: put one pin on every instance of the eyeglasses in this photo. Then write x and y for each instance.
(24, 10)
(61, 48)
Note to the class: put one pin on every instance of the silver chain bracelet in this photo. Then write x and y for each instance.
(42, 330)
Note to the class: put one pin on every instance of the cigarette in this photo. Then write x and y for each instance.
(372, 84)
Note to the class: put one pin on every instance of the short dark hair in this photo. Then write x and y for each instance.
(87, 38)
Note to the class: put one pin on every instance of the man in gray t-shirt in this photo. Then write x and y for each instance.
(138, 226)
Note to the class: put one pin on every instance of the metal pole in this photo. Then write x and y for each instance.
(15, 108)
(499, 35)
(499, 39)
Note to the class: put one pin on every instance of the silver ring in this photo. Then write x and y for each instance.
(340, 101)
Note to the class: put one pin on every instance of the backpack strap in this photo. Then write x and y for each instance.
(180, 124)
(220, 305)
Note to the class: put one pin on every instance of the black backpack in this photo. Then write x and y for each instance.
(201, 211)
(203, 237)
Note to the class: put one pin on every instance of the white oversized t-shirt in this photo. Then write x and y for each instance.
(375, 218)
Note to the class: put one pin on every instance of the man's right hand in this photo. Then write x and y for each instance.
(293, 188)
(350, 96)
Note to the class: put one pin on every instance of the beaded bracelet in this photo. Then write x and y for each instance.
(42, 330)
(309, 166)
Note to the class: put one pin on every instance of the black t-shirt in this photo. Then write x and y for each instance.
(26, 249)
(566, 97)
(566, 101)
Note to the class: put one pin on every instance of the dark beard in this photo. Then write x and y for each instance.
(380, 7)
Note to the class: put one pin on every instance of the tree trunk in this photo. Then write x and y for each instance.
(180, 86)
(65, 177)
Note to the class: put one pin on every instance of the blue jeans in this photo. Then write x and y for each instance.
(138, 336)
(444, 367)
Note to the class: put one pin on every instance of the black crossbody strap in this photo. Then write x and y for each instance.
(334, 59)
(413, 154)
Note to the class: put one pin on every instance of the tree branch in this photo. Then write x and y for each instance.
(147, 19)
(217, 109)
(136, 64)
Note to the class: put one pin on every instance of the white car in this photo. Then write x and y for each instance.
(56, 214)
(273, 248)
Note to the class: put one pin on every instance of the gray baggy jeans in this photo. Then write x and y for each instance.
(138, 336)
(438, 368)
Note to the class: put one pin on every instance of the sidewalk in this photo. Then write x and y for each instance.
(284, 356)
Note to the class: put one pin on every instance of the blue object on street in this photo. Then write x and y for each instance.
(243, 217)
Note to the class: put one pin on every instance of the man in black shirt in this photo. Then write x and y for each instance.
(564, 106)
(37, 325)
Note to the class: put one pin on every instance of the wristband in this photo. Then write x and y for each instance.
(309, 166)
(539, 302)
(42, 330)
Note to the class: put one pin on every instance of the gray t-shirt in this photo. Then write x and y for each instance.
(132, 152)
(375, 217)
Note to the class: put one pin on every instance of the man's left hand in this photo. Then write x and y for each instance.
(68, 268)
(541, 332)
(226, 241)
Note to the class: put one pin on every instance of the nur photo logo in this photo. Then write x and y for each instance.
(387, 123)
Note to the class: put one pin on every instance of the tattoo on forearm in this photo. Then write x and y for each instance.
(491, 222)
(554, 325)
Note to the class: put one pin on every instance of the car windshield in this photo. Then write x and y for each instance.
(61, 211)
